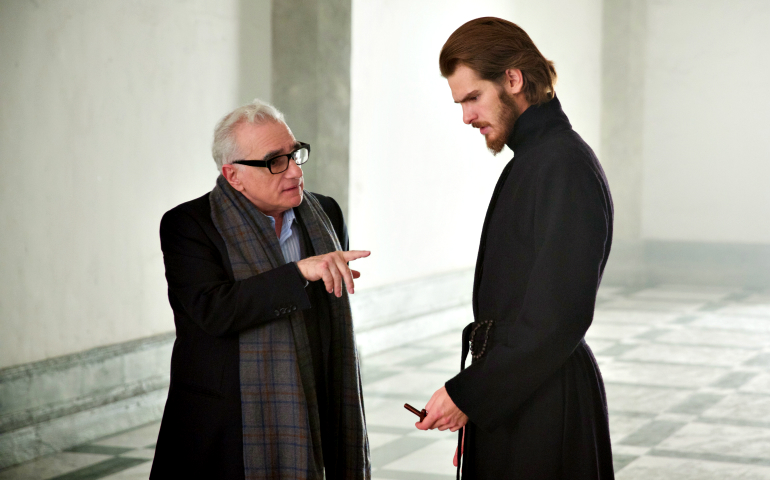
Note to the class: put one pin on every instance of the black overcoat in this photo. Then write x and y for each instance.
(201, 434)
(535, 399)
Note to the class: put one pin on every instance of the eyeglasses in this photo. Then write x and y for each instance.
(280, 163)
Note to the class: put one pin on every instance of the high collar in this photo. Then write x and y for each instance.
(536, 121)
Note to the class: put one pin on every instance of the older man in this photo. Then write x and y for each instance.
(264, 375)
(533, 398)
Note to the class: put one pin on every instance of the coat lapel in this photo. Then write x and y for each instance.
(483, 243)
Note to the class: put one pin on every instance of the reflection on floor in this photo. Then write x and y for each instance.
(688, 381)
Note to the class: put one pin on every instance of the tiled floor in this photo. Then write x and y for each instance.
(688, 381)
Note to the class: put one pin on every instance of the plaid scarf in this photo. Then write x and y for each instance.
(281, 424)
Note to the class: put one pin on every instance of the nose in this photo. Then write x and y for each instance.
(294, 170)
(468, 115)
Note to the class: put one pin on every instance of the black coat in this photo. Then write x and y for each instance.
(535, 400)
(200, 434)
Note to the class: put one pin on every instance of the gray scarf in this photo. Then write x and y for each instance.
(281, 424)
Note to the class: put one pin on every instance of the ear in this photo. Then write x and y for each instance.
(230, 172)
(514, 81)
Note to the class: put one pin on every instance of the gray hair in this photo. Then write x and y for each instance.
(224, 149)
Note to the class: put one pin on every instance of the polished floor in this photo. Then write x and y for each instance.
(687, 371)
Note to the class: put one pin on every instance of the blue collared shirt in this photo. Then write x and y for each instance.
(289, 238)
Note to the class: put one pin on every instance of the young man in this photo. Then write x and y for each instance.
(532, 402)
(264, 375)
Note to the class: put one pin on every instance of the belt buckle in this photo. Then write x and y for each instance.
(476, 352)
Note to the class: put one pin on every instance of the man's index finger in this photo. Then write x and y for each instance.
(355, 254)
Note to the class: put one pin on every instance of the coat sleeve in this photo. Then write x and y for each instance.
(199, 284)
(571, 232)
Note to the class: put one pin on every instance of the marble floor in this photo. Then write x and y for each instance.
(687, 371)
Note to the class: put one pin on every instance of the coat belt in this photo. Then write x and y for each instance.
(480, 337)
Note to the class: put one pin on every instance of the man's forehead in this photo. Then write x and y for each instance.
(264, 138)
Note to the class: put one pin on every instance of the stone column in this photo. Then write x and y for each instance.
(254, 50)
(622, 124)
(311, 85)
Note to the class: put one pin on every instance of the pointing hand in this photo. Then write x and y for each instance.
(333, 269)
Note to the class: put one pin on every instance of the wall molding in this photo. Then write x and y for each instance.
(84, 426)
(393, 303)
(653, 262)
(406, 312)
(55, 404)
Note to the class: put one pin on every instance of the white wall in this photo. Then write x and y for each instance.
(421, 180)
(570, 34)
(106, 116)
(707, 118)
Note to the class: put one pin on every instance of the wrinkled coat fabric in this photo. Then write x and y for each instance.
(535, 400)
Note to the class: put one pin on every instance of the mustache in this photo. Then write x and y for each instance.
(480, 124)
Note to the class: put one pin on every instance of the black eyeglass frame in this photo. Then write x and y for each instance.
(266, 163)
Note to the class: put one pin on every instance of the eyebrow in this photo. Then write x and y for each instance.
(474, 93)
(273, 153)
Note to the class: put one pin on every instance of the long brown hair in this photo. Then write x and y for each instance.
(490, 46)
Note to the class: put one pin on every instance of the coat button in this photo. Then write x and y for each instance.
(277, 313)
(293, 308)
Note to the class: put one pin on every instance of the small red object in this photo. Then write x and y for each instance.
(422, 414)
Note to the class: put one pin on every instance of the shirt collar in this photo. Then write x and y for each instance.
(288, 221)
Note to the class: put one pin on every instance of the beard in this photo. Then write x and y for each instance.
(506, 119)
